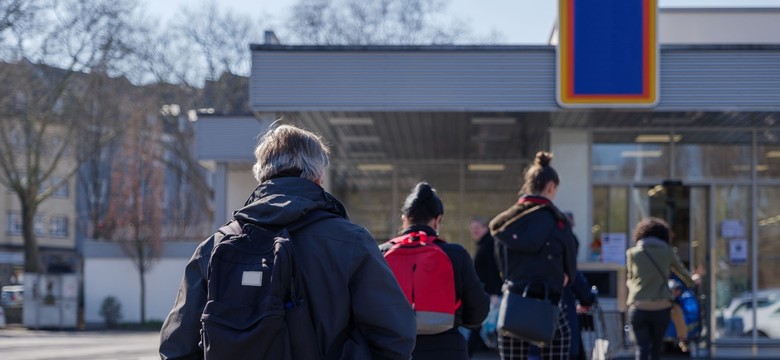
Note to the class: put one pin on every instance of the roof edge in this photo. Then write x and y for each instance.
(398, 48)
(481, 48)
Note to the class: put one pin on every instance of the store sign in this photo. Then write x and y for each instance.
(607, 53)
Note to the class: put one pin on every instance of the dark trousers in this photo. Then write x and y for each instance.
(649, 328)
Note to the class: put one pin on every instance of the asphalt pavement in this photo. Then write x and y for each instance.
(21, 344)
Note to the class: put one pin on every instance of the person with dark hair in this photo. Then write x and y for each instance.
(536, 249)
(357, 309)
(648, 265)
(577, 290)
(487, 271)
(422, 211)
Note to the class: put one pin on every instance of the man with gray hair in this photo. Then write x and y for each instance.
(356, 306)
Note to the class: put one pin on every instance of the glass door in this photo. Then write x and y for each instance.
(732, 261)
(686, 210)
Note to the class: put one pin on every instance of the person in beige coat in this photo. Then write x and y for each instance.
(648, 266)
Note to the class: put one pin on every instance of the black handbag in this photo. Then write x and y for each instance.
(527, 318)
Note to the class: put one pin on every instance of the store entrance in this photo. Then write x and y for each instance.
(685, 209)
(671, 201)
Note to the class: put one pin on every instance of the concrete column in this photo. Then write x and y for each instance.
(571, 150)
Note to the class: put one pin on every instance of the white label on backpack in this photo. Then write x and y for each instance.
(252, 278)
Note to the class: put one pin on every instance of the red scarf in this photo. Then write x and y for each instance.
(538, 200)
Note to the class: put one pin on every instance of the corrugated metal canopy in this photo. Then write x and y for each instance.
(367, 145)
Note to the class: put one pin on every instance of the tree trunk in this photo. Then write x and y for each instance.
(32, 256)
(141, 272)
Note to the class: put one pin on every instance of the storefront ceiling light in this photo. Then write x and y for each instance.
(493, 121)
(611, 167)
(760, 167)
(375, 167)
(343, 121)
(367, 154)
(655, 190)
(769, 221)
(774, 154)
(641, 154)
(657, 138)
(361, 139)
(487, 167)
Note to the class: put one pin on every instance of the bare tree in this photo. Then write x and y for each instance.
(363, 22)
(48, 47)
(109, 108)
(136, 207)
(219, 39)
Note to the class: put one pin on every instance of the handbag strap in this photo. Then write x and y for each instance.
(500, 247)
(655, 265)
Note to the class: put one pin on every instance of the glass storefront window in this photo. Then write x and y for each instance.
(367, 193)
(768, 296)
(768, 159)
(488, 193)
(610, 215)
(713, 155)
(629, 156)
(731, 287)
(374, 194)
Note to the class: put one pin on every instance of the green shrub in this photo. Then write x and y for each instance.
(111, 311)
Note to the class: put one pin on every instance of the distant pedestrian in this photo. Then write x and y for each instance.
(355, 303)
(487, 271)
(648, 266)
(421, 215)
(536, 249)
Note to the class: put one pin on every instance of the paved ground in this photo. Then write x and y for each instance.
(22, 344)
(17, 343)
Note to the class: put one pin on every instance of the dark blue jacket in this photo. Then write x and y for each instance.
(535, 245)
(579, 289)
(486, 267)
(346, 278)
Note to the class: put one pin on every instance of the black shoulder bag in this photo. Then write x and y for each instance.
(523, 317)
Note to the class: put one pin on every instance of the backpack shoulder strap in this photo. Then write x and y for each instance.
(231, 228)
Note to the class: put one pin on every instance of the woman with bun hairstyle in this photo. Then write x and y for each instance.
(536, 248)
(422, 212)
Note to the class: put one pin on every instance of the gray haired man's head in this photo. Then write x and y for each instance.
(286, 150)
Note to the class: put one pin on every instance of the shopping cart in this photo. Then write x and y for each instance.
(603, 332)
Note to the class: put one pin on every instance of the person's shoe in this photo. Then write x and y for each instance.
(683, 344)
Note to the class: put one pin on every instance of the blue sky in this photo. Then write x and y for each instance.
(520, 21)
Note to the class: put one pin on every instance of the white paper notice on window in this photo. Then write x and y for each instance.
(613, 248)
(732, 228)
(738, 251)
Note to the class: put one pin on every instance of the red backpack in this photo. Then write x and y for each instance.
(425, 274)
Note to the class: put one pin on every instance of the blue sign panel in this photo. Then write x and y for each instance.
(607, 53)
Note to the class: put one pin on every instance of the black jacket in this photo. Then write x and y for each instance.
(475, 303)
(485, 264)
(346, 278)
(538, 244)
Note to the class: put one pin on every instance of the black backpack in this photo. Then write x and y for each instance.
(256, 307)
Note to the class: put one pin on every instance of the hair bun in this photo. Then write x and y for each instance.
(543, 158)
(424, 191)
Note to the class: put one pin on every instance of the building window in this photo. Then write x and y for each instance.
(40, 226)
(14, 223)
(62, 191)
(58, 226)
